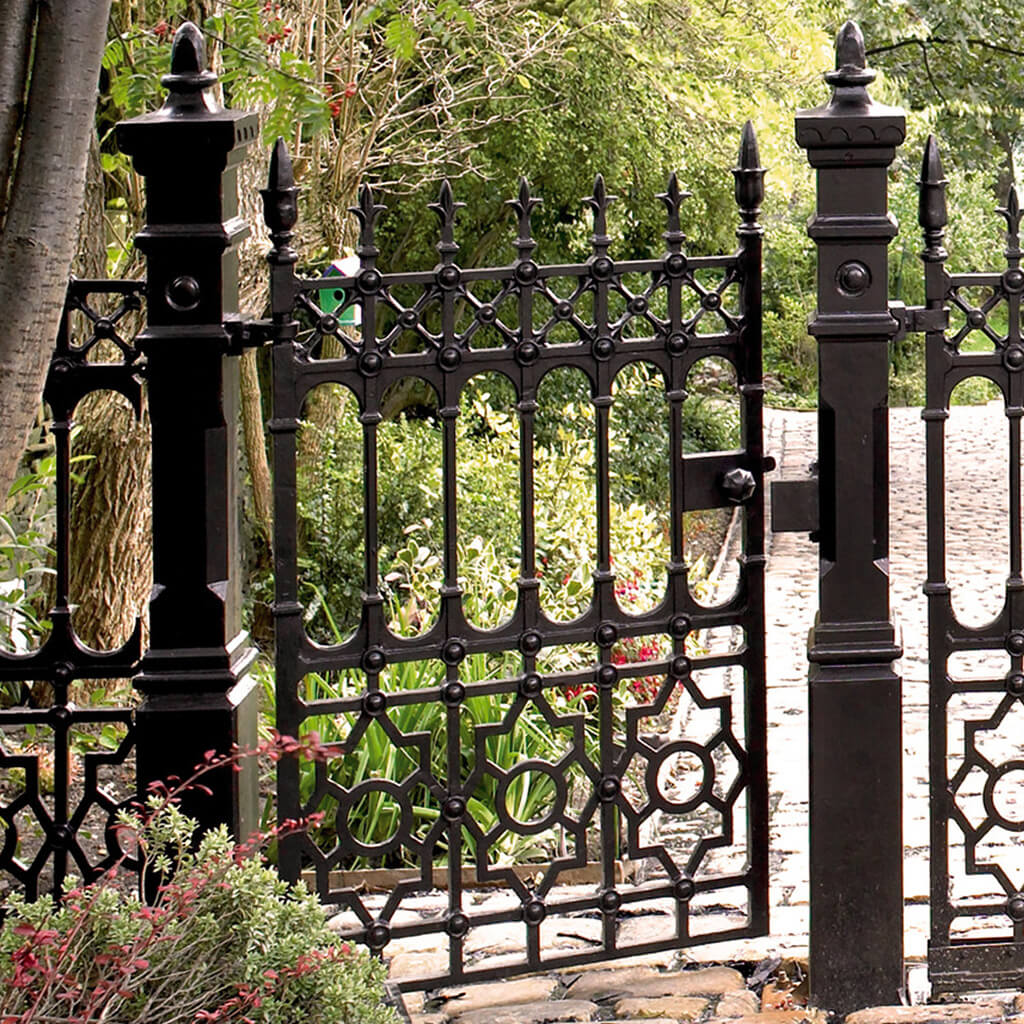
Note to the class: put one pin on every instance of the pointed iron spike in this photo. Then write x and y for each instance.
(931, 206)
(749, 158)
(600, 193)
(445, 197)
(1013, 202)
(281, 174)
(673, 195)
(188, 52)
(850, 47)
(524, 192)
(931, 164)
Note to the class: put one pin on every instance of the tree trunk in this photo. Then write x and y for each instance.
(15, 48)
(40, 228)
(111, 570)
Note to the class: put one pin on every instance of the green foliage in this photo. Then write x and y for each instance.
(28, 525)
(226, 940)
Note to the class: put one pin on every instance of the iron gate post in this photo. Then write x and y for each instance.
(856, 844)
(197, 695)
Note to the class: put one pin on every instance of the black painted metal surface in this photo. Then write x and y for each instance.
(855, 749)
(56, 787)
(987, 307)
(607, 823)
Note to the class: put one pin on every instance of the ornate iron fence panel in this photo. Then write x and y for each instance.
(58, 804)
(977, 907)
(603, 768)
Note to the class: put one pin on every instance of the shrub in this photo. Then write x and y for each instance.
(224, 941)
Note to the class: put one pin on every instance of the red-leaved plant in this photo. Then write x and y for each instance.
(225, 940)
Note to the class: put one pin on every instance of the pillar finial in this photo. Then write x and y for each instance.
(189, 77)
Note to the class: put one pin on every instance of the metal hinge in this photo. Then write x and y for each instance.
(917, 319)
(243, 334)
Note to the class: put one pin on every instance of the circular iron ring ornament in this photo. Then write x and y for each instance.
(547, 819)
(1015, 642)
(1013, 280)
(348, 800)
(853, 278)
(656, 762)
(976, 319)
(988, 797)
(370, 364)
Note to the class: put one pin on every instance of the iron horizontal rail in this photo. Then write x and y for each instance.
(507, 272)
(312, 657)
(510, 684)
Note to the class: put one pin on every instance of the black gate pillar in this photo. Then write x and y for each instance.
(196, 693)
(856, 845)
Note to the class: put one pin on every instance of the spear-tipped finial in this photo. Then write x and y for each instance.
(524, 204)
(280, 209)
(673, 197)
(189, 77)
(749, 175)
(366, 211)
(1011, 213)
(599, 201)
(446, 208)
(931, 207)
(931, 203)
(281, 174)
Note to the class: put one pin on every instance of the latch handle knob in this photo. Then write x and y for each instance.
(738, 485)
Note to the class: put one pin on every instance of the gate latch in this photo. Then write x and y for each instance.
(795, 504)
(917, 319)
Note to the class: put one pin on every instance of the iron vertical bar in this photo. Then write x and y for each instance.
(280, 213)
(856, 843)
(749, 190)
(932, 219)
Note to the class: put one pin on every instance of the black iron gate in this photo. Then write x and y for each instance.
(602, 763)
(608, 768)
(967, 811)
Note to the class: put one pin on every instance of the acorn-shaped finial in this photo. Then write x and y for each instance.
(189, 77)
